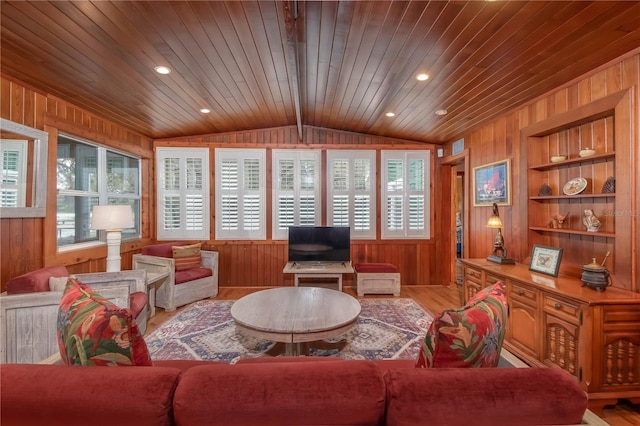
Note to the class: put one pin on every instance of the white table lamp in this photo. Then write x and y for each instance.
(113, 219)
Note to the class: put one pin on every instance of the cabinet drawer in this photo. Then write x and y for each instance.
(492, 279)
(524, 294)
(568, 310)
(474, 275)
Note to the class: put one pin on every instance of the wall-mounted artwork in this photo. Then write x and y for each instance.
(492, 184)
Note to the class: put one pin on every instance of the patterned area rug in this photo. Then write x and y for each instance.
(386, 329)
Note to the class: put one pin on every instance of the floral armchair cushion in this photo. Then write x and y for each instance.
(94, 331)
(471, 336)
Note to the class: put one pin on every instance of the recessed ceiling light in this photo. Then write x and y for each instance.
(205, 110)
(161, 69)
(390, 114)
(441, 112)
(422, 77)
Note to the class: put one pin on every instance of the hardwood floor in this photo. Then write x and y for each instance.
(433, 299)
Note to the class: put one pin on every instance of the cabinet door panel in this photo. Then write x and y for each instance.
(523, 325)
(560, 344)
(618, 363)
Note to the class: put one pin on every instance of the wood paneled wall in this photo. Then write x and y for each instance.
(500, 139)
(30, 243)
(260, 263)
(27, 244)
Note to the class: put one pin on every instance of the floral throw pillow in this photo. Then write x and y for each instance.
(471, 336)
(93, 331)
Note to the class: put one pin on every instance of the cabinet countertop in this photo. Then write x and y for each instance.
(561, 285)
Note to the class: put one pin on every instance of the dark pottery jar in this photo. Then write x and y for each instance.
(595, 276)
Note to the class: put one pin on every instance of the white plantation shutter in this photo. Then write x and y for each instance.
(183, 193)
(405, 191)
(296, 189)
(13, 164)
(240, 194)
(351, 191)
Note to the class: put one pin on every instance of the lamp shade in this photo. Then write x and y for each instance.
(112, 217)
(494, 222)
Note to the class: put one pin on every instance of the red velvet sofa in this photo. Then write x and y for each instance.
(279, 391)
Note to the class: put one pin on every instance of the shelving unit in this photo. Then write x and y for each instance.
(581, 244)
(555, 321)
(602, 126)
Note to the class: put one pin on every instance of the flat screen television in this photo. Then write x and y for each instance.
(319, 244)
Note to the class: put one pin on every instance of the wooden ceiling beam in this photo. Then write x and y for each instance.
(289, 13)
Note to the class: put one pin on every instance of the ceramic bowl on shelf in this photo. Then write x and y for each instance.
(588, 152)
(558, 158)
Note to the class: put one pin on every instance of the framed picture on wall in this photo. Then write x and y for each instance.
(492, 184)
(545, 260)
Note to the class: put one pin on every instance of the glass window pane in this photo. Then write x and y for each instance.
(171, 174)
(416, 175)
(362, 175)
(194, 174)
(285, 179)
(74, 219)
(395, 172)
(123, 174)
(307, 175)
(252, 174)
(77, 165)
(340, 175)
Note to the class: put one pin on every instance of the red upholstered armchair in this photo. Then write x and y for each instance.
(192, 273)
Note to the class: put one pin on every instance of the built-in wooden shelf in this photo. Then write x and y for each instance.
(573, 161)
(569, 197)
(572, 231)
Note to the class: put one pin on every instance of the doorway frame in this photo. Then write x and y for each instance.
(449, 169)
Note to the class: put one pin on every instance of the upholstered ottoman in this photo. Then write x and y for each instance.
(377, 278)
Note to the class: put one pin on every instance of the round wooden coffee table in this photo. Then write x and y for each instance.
(294, 315)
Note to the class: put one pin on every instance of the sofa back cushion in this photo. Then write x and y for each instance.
(35, 281)
(303, 393)
(94, 331)
(471, 336)
(52, 395)
(483, 396)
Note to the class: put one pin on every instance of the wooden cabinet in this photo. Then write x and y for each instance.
(523, 311)
(556, 322)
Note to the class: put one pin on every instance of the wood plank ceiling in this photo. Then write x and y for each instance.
(339, 65)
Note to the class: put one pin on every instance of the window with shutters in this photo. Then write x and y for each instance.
(351, 191)
(240, 194)
(88, 175)
(183, 193)
(405, 194)
(13, 186)
(296, 190)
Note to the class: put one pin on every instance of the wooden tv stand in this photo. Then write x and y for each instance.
(322, 274)
(556, 322)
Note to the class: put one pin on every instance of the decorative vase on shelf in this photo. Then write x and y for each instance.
(587, 152)
(544, 190)
(609, 186)
(591, 221)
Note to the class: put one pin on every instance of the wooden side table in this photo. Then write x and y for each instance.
(154, 280)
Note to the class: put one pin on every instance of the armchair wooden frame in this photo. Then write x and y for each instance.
(170, 296)
(28, 322)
